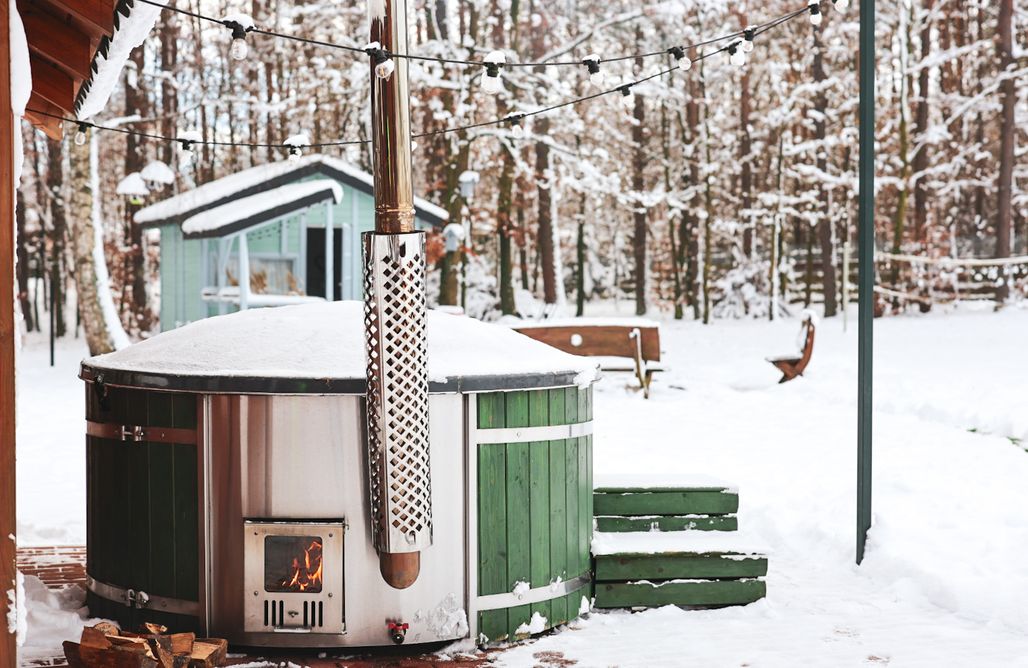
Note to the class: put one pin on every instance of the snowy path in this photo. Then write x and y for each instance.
(946, 575)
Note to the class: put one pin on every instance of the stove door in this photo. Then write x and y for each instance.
(294, 577)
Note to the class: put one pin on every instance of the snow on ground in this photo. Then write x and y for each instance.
(945, 577)
(946, 573)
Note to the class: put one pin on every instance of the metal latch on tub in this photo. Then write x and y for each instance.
(129, 433)
(136, 599)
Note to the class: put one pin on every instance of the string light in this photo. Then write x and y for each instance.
(80, 136)
(485, 62)
(841, 5)
(678, 53)
(516, 129)
(384, 65)
(815, 13)
(491, 82)
(295, 153)
(239, 49)
(493, 64)
(747, 44)
(592, 63)
(187, 153)
(627, 96)
(736, 55)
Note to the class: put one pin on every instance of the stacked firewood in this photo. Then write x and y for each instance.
(107, 646)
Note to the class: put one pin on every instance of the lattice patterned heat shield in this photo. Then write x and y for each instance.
(398, 457)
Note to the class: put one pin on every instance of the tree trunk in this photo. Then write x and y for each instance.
(136, 102)
(746, 177)
(82, 244)
(638, 184)
(920, 161)
(504, 225)
(59, 222)
(1004, 184)
(824, 225)
(544, 212)
(23, 264)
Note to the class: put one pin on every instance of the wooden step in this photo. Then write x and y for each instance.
(681, 565)
(680, 502)
(687, 568)
(667, 523)
(699, 593)
(648, 495)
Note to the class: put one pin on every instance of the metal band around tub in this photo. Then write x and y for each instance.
(135, 433)
(527, 434)
(537, 595)
(140, 599)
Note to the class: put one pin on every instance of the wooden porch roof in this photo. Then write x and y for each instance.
(65, 39)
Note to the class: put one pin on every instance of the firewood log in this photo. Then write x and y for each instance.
(208, 653)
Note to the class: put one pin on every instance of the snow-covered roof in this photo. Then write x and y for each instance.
(158, 172)
(133, 21)
(319, 348)
(260, 208)
(132, 185)
(263, 177)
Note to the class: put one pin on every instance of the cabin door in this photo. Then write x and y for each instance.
(316, 263)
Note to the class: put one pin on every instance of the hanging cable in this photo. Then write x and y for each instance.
(812, 7)
(189, 139)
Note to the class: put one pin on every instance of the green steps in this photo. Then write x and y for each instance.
(698, 593)
(665, 544)
(679, 565)
(667, 523)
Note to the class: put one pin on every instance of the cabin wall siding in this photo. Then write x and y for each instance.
(189, 265)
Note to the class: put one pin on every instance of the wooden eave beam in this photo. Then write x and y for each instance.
(53, 84)
(60, 41)
(52, 127)
(95, 16)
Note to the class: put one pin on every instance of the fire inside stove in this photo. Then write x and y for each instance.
(293, 576)
(293, 564)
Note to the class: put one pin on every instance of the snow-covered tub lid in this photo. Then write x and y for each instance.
(319, 349)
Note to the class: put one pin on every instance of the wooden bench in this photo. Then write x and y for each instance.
(792, 366)
(634, 346)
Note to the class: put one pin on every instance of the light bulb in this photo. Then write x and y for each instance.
(737, 57)
(187, 151)
(80, 136)
(815, 13)
(239, 49)
(385, 69)
(592, 63)
(842, 5)
(294, 155)
(747, 43)
(685, 64)
(516, 129)
(491, 83)
(627, 96)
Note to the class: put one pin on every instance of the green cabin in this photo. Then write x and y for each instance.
(293, 227)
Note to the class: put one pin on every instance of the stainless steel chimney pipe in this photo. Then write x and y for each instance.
(394, 321)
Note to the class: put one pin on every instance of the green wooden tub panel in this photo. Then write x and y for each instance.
(142, 501)
(535, 506)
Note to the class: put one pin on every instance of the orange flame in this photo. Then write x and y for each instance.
(306, 575)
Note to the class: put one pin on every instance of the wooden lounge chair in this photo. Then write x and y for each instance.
(794, 365)
(631, 347)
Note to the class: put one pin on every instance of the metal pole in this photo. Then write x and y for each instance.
(866, 248)
(395, 315)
